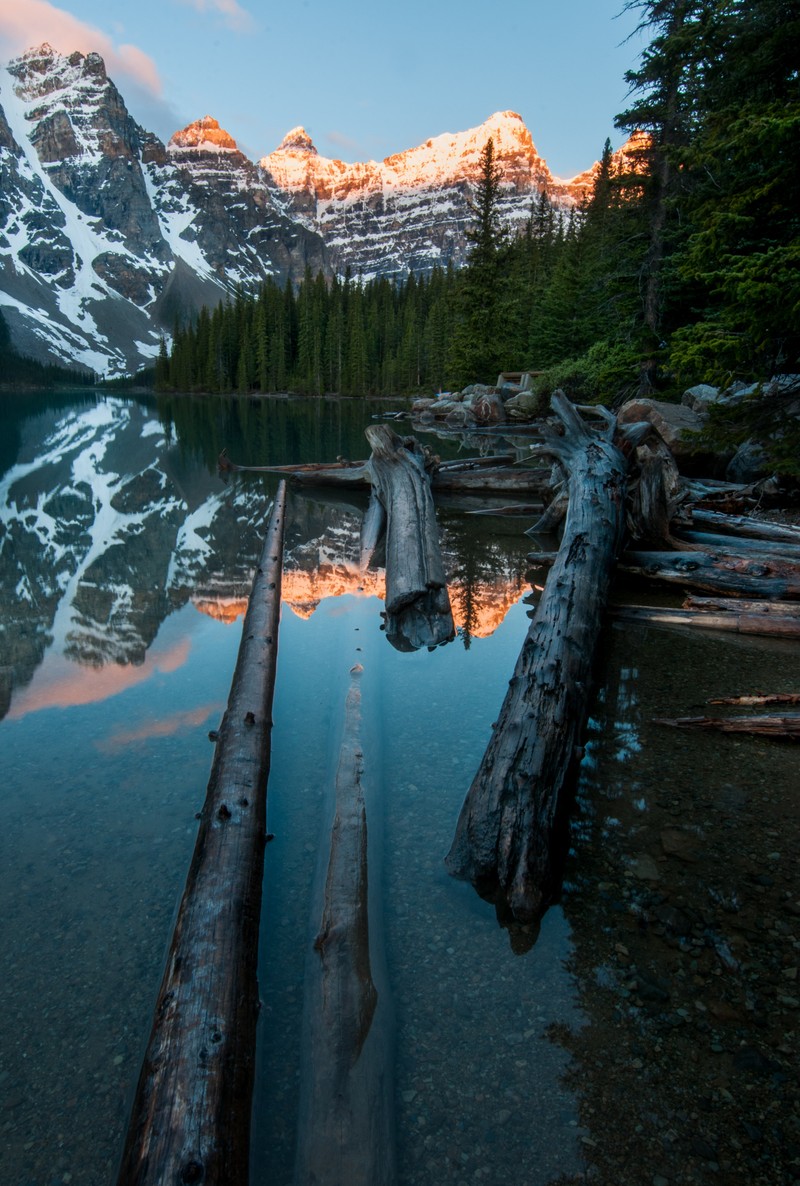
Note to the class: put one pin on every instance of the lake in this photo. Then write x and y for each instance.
(647, 1035)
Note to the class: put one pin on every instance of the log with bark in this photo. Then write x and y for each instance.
(782, 728)
(418, 610)
(503, 841)
(346, 1130)
(717, 572)
(190, 1121)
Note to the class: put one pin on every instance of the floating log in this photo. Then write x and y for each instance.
(346, 1131)
(777, 626)
(716, 572)
(417, 603)
(783, 728)
(190, 1121)
(472, 475)
(503, 841)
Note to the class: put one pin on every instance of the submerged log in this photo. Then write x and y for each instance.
(783, 728)
(191, 1115)
(717, 572)
(345, 1133)
(763, 699)
(777, 626)
(417, 603)
(503, 838)
(741, 605)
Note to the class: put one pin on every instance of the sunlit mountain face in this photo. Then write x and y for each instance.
(107, 234)
(109, 524)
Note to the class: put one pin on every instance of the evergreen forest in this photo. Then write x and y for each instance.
(682, 267)
(18, 371)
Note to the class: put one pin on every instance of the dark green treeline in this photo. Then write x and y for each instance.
(684, 265)
(520, 305)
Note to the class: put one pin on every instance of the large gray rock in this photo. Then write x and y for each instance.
(676, 424)
(527, 405)
(748, 464)
(700, 397)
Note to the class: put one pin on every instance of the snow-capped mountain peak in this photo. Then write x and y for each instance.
(297, 140)
(204, 134)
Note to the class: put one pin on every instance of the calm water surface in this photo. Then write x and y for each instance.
(649, 1031)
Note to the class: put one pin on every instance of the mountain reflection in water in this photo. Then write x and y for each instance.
(648, 1035)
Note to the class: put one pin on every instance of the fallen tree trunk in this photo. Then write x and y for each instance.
(190, 1121)
(503, 838)
(345, 1132)
(741, 605)
(716, 572)
(745, 526)
(740, 545)
(471, 476)
(778, 626)
(762, 700)
(417, 603)
(785, 728)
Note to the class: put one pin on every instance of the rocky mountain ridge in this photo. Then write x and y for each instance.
(107, 234)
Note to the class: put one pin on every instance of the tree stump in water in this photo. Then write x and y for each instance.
(503, 839)
(418, 610)
(190, 1120)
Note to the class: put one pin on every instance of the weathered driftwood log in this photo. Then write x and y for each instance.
(716, 572)
(417, 603)
(732, 497)
(763, 699)
(373, 527)
(738, 545)
(345, 1133)
(502, 842)
(744, 525)
(471, 476)
(776, 626)
(784, 728)
(741, 605)
(191, 1115)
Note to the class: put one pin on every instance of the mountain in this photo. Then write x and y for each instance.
(412, 210)
(107, 528)
(107, 234)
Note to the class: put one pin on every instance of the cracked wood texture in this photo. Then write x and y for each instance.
(345, 1131)
(503, 838)
(190, 1121)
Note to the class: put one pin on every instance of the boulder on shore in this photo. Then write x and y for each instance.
(676, 424)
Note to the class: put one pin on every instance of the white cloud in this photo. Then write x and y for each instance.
(25, 25)
(235, 17)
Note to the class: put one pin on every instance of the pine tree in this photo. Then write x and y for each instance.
(476, 348)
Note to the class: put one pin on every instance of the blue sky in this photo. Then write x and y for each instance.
(365, 80)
